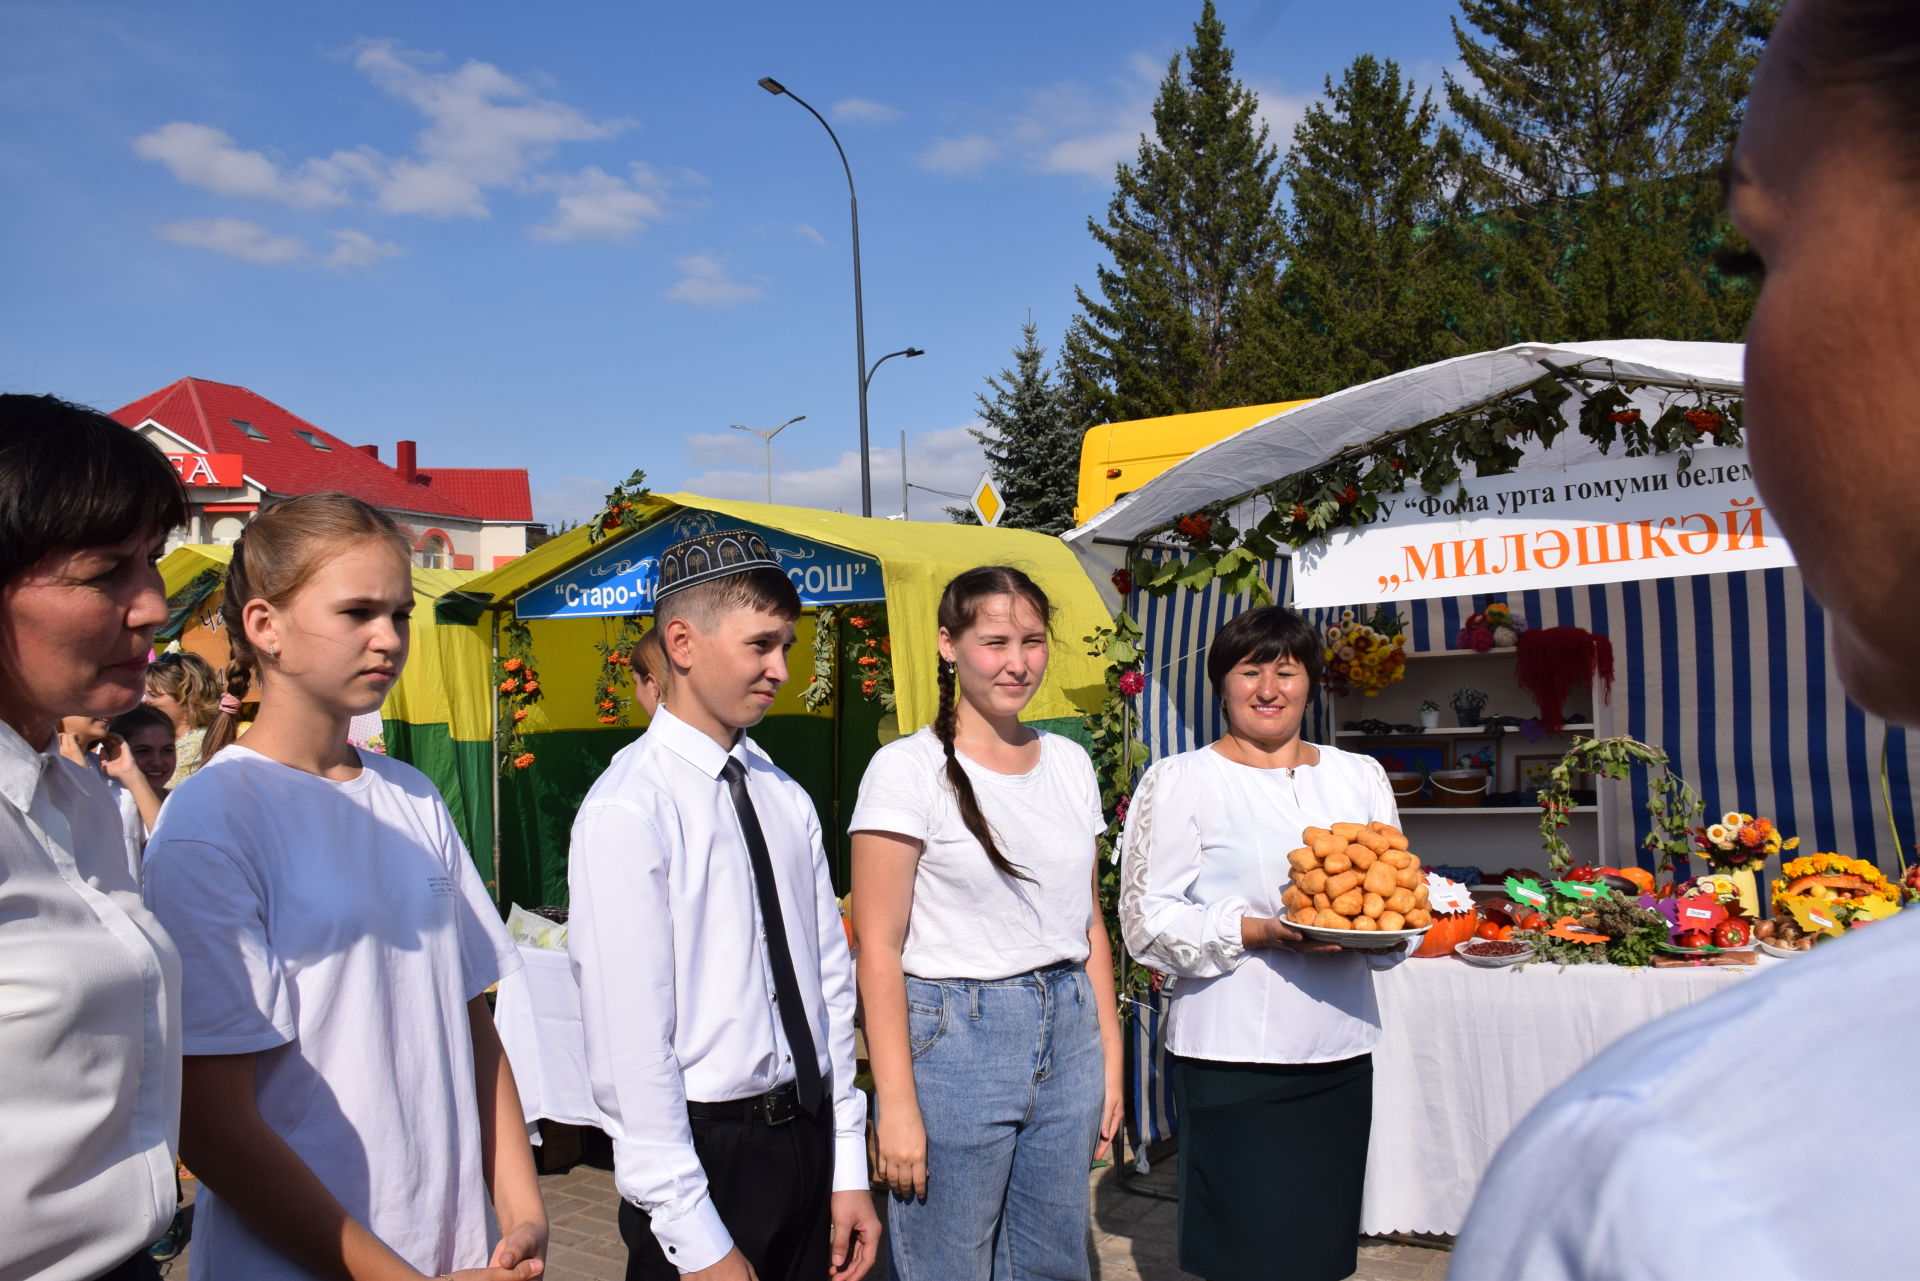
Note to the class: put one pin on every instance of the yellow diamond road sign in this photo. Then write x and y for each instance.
(986, 501)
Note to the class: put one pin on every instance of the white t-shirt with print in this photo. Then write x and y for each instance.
(337, 930)
(968, 920)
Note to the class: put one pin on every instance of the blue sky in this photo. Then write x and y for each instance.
(578, 238)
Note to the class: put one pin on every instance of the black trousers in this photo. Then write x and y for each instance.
(138, 1268)
(773, 1187)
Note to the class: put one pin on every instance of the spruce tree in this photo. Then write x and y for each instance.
(1195, 244)
(1375, 282)
(1599, 129)
(1032, 447)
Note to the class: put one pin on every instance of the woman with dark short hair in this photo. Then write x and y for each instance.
(1270, 1036)
(89, 982)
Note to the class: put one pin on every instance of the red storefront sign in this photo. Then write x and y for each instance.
(210, 471)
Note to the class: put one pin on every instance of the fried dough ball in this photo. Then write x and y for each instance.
(1407, 878)
(1401, 901)
(1350, 903)
(1338, 885)
(1380, 879)
(1326, 844)
(1347, 831)
(1420, 894)
(1303, 860)
(1336, 863)
(1363, 858)
(1313, 834)
(1313, 882)
(1364, 923)
(1419, 919)
(1331, 920)
(1295, 899)
(1373, 906)
(1372, 840)
(1323, 901)
(1391, 920)
(1305, 915)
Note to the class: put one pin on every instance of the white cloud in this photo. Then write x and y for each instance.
(569, 498)
(238, 237)
(205, 157)
(947, 459)
(809, 232)
(711, 449)
(356, 249)
(595, 205)
(485, 129)
(1073, 128)
(706, 281)
(960, 155)
(864, 111)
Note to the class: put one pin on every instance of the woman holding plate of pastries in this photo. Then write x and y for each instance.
(1269, 1031)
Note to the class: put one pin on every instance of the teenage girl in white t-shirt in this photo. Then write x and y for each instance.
(984, 968)
(346, 1103)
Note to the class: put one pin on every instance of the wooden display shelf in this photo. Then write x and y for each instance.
(1458, 731)
(1487, 809)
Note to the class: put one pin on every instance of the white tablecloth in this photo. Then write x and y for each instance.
(537, 1012)
(1466, 1052)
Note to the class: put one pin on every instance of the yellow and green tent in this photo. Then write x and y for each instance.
(579, 592)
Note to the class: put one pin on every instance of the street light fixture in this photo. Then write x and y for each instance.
(768, 436)
(775, 88)
(908, 352)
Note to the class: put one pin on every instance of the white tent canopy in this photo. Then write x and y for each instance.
(1304, 438)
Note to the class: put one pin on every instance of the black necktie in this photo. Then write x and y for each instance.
(786, 987)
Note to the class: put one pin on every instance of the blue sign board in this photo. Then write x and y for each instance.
(620, 578)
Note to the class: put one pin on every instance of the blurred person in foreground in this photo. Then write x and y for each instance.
(1826, 187)
(89, 981)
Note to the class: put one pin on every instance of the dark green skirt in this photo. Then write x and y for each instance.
(1273, 1159)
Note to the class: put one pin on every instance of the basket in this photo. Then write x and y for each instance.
(1406, 785)
(1459, 788)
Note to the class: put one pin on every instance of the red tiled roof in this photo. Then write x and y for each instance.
(203, 413)
(494, 493)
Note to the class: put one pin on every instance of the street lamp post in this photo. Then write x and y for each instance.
(775, 88)
(768, 436)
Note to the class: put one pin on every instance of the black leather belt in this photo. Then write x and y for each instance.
(775, 1107)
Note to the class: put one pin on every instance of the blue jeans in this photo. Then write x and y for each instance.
(1011, 1082)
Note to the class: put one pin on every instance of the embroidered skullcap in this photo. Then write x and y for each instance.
(704, 558)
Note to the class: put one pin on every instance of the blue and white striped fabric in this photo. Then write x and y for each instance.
(1730, 674)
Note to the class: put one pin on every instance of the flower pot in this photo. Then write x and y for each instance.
(1459, 788)
(1430, 720)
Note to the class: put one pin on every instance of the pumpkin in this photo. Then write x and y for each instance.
(1447, 930)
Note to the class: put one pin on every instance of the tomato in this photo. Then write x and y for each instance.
(1533, 921)
(1693, 938)
(1491, 929)
(1732, 932)
(1506, 931)
(1582, 874)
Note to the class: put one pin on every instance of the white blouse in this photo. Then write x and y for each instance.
(1206, 844)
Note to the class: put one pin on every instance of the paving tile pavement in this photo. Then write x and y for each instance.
(1132, 1240)
(1133, 1235)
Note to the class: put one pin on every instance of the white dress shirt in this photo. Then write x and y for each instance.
(1206, 844)
(1771, 1118)
(89, 1029)
(676, 993)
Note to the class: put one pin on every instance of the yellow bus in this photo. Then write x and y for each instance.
(1118, 458)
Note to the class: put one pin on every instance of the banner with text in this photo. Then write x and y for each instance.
(1610, 521)
(620, 578)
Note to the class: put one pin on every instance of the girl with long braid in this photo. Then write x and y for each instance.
(984, 967)
(345, 1102)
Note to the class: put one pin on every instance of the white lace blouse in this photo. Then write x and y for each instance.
(1206, 843)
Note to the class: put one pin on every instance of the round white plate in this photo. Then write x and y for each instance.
(1773, 949)
(1488, 962)
(1357, 940)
